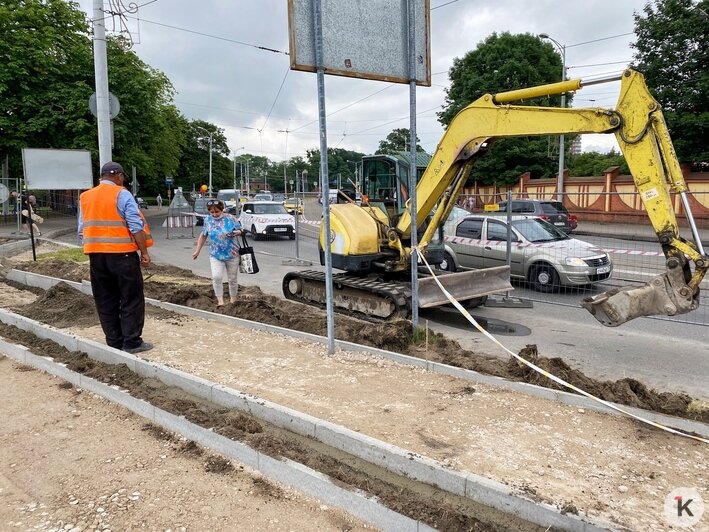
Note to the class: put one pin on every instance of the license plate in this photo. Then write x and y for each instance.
(603, 269)
(558, 223)
(280, 229)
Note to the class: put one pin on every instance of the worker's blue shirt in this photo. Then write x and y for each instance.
(127, 208)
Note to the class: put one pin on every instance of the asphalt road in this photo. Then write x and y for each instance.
(665, 355)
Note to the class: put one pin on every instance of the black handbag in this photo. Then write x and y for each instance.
(247, 257)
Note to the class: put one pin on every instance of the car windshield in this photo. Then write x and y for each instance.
(269, 208)
(536, 230)
(293, 200)
(266, 197)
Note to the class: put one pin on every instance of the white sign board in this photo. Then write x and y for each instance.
(362, 38)
(57, 169)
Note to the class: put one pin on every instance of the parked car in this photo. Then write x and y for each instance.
(294, 205)
(267, 218)
(200, 209)
(552, 211)
(541, 254)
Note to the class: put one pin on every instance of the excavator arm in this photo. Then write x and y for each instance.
(642, 134)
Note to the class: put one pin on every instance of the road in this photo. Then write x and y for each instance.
(665, 355)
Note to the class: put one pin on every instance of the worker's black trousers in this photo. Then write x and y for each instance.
(117, 284)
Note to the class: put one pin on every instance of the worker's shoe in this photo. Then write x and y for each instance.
(145, 346)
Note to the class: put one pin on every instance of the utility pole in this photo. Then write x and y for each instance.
(560, 175)
(101, 78)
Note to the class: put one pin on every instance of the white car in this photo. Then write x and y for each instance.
(267, 218)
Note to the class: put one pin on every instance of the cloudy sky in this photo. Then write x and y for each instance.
(228, 62)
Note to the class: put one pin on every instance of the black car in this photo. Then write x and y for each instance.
(552, 211)
(141, 203)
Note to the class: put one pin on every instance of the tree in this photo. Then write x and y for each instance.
(47, 77)
(396, 141)
(671, 51)
(595, 164)
(499, 63)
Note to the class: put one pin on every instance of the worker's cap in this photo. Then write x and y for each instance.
(112, 168)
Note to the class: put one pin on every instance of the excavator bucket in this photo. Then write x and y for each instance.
(666, 294)
(464, 285)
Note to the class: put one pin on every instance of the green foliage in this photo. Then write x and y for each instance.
(47, 77)
(68, 254)
(595, 164)
(505, 62)
(341, 165)
(396, 141)
(672, 53)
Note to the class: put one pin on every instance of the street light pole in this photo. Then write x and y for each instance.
(560, 176)
(209, 191)
(236, 150)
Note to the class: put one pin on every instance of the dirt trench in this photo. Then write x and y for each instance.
(64, 307)
(418, 501)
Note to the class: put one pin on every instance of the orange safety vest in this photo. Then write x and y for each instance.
(104, 230)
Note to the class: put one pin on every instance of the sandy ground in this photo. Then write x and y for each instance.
(605, 466)
(73, 461)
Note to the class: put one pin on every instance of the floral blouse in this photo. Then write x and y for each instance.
(221, 246)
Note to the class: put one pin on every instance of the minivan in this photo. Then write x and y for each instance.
(231, 199)
(551, 211)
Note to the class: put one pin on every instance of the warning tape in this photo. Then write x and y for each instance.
(503, 243)
(541, 371)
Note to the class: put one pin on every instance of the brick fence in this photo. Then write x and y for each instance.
(608, 198)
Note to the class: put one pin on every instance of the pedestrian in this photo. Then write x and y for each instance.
(31, 215)
(27, 212)
(158, 200)
(222, 230)
(113, 231)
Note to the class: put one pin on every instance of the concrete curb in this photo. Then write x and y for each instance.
(283, 471)
(474, 487)
(567, 398)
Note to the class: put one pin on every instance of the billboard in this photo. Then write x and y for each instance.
(57, 169)
(365, 39)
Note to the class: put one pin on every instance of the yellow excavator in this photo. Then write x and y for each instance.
(371, 242)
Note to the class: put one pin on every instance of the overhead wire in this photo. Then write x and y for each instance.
(364, 131)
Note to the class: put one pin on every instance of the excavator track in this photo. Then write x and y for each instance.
(366, 298)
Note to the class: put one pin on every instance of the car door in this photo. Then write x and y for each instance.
(467, 244)
(495, 247)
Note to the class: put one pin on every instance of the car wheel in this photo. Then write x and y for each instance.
(448, 264)
(254, 234)
(544, 279)
(291, 236)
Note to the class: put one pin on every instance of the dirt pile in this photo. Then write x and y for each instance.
(167, 283)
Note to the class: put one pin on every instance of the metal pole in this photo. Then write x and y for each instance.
(560, 178)
(101, 77)
(413, 170)
(317, 20)
(210, 164)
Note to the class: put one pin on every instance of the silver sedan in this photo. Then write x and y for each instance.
(540, 253)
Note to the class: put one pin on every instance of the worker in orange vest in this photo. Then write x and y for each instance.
(113, 230)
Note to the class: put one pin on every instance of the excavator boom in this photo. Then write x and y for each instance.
(642, 135)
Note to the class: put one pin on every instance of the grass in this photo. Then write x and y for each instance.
(68, 254)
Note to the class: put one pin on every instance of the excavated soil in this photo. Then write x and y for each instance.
(63, 307)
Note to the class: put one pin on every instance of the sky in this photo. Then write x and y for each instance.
(228, 61)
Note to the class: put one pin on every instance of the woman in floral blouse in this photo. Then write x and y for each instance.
(222, 230)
